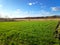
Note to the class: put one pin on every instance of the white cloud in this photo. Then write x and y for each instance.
(4, 14)
(44, 13)
(20, 13)
(55, 8)
(16, 13)
(40, 13)
(32, 3)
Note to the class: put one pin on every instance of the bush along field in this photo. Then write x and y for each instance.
(27, 33)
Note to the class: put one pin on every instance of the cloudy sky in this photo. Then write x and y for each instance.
(28, 8)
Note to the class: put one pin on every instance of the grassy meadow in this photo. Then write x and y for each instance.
(27, 33)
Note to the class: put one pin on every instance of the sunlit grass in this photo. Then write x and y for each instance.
(27, 33)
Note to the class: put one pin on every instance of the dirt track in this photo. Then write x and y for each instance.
(58, 19)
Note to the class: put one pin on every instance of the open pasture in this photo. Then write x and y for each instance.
(27, 33)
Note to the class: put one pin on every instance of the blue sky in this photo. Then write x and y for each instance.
(29, 8)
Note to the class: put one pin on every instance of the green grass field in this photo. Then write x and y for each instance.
(27, 33)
